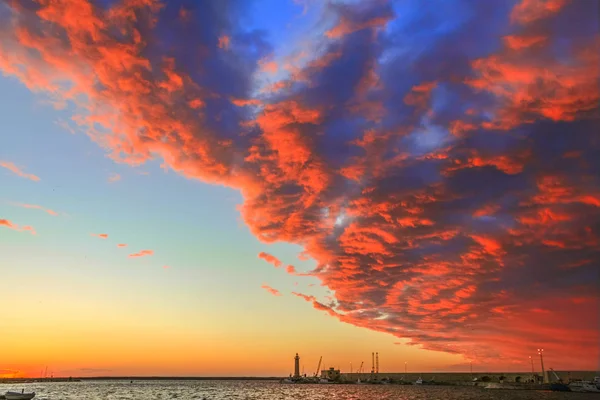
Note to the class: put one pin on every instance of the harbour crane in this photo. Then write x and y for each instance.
(558, 378)
(319, 366)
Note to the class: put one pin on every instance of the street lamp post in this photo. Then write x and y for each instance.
(541, 353)
(532, 371)
(405, 367)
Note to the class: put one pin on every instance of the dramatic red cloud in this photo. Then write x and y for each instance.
(523, 42)
(36, 207)
(528, 11)
(529, 82)
(142, 253)
(10, 225)
(350, 23)
(432, 187)
(100, 235)
(16, 170)
(420, 95)
(246, 102)
(270, 259)
(269, 289)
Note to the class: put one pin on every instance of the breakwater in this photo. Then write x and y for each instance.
(464, 377)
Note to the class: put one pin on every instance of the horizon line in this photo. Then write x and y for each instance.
(267, 377)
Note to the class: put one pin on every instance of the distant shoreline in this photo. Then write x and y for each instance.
(142, 378)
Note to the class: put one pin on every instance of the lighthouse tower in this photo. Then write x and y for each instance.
(297, 366)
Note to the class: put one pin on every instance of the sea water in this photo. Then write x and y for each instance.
(266, 390)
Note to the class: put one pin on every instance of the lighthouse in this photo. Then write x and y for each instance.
(297, 366)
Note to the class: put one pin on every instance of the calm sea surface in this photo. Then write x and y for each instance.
(261, 390)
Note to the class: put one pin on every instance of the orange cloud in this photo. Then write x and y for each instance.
(246, 102)
(528, 11)
(10, 225)
(114, 178)
(269, 289)
(36, 207)
(270, 259)
(420, 94)
(122, 245)
(268, 65)
(529, 81)
(347, 25)
(142, 253)
(522, 42)
(486, 210)
(290, 269)
(100, 235)
(304, 296)
(16, 170)
(489, 244)
(224, 42)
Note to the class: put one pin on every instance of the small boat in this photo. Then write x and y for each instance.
(19, 396)
(559, 387)
(583, 386)
(419, 381)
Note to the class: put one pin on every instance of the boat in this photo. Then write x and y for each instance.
(419, 381)
(583, 386)
(559, 387)
(324, 381)
(19, 396)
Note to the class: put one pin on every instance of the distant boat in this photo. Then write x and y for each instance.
(322, 380)
(419, 381)
(19, 396)
(583, 386)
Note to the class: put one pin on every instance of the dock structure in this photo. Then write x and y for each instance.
(458, 378)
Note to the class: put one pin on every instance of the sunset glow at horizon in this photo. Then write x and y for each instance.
(206, 188)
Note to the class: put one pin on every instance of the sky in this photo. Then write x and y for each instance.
(208, 187)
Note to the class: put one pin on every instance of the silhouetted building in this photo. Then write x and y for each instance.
(331, 374)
